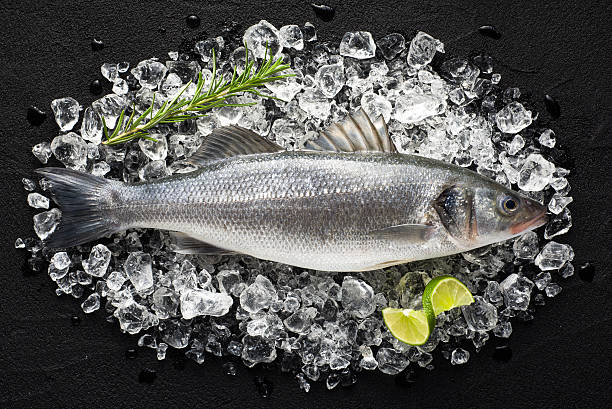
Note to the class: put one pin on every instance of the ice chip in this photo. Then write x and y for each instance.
(285, 88)
(100, 169)
(480, 315)
(558, 224)
(70, 149)
(526, 246)
(376, 105)
(547, 138)
(558, 202)
(330, 79)
(28, 184)
(391, 361)
(138, 269)
(155, 150)
(516, 145)
(301, 320)
(153, 170)
(536, 173)
(542, 280)
(257, 349)
(92, 127)
(554, 256)
(552, 289)
(262, 39)
(115, 280)
(120, 87)
(309, 32)
(165, 302)
(195, 302)
(422, 50)
(123, 66)
(205, 48)
(66, 112)
(61, 260)
(503, 329)
(315, 103)
(45, 223)
(357, 297)
(149, 73)
(513, 118)
(98, 261)
(258, 295)
(391, 45)
(358, 44)
(459, 356)
(175, 332)
(110, 71)
(38, 201)
(493, 293)
(229, 281)
(517, 291)
(109, 107)
(414, 107)
(291, 37)
(42, 151)
(133, 317)
(91, 303)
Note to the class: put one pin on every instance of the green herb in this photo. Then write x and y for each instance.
(215, 96)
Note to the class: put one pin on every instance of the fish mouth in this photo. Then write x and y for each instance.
(530, 224)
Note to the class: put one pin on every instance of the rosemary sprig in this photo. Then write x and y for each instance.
(179, 109)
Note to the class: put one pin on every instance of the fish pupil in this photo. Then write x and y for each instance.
(510, 204)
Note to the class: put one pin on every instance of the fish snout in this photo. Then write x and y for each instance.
(534, 216)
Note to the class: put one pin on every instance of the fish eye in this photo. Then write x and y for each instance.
(508, 204)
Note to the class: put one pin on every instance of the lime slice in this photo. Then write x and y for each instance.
(445, 293)
(410, 326)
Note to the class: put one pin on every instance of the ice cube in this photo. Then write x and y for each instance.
(155, 150)
(547, 138)
(542, 280)
(138, 269)
(19, 243)
(115, 280)
(554, 256)
(552, 289)
(98, 261)
(171, 85)
(28, 184)
(517, 291)
(493, 293)
(165, 302)
(357, 297)
(567, 270)
(301, 320)
(149, 73)
(92, 127)
(558, 224)
(153, 170)
(66, 112)
(91, 303)
(42, 151)
(175, 332)
(414, 107)
(123, 66)
(513, 118)
(358, 44)
(60, 260)
(70, 149)
(480, 315)
(100, 169)
(391, 361)
(120, 87)
(422, 50)
(459, 356)
(526, 246)
(503, 329)
(205, 48)
(229, 281)
(535, 173)
(38, 201)
(258, 295)
(262, 39)
(330, 79)
(315, 103)
(516, 145)
(133, 317)
(45, 223)
(161, 351)
(309, 32)
(109, 71)
(285, 88)
(291, 37)
(558, 202)
(391, 45)
(109, 107)
(257, 349)
(376, 105)
(195, 302)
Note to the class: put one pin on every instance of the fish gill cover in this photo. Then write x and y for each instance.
(317, 326)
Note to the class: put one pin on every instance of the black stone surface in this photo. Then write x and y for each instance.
(560, 359)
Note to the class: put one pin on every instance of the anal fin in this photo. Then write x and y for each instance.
(186, 244)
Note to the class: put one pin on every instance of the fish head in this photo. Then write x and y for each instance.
(486, 212)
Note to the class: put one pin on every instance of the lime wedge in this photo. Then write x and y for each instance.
(445, 293)
(410, 326)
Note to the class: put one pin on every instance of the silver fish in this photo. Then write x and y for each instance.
(347, 202)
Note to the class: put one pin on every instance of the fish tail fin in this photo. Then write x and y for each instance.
(84, 201)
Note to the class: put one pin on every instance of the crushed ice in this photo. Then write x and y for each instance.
(320, 326)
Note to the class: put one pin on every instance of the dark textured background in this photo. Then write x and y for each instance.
(562, 358)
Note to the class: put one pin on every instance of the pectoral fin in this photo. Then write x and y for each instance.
(416, 233)
(185, 244)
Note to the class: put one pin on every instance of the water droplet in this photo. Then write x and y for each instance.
(147, 375)
(131, 353)
(552, 106)
(36, 116)
(586, 272)
(490, 31)
(323, 11)
(264, 387)
(502, 353)
(193, 21)
(75, 320)
(97, 45)
(95, 87)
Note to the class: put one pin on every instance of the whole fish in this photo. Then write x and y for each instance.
(347, 202)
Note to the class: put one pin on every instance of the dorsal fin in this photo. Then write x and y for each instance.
(230, 141)
(356, 134)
